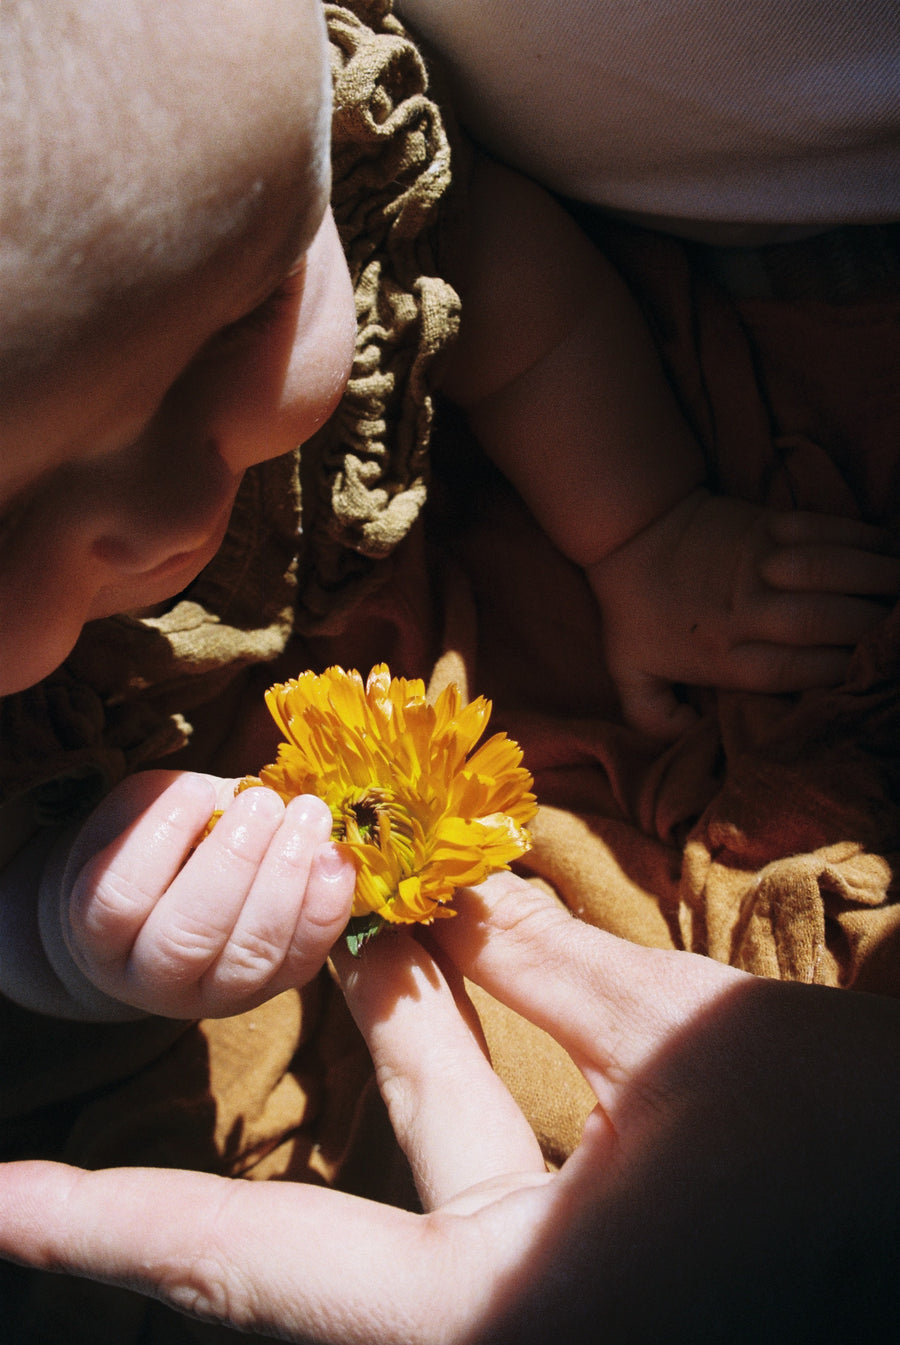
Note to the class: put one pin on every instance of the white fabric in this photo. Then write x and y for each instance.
(761, 112)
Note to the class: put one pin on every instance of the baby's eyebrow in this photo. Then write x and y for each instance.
(274, 279)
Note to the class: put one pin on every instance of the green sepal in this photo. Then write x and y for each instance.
(360, 930)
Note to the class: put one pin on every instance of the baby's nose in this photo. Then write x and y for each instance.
(158, 515)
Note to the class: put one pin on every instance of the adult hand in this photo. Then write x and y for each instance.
(738, 1180)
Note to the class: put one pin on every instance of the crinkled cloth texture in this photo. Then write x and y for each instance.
(768, 836)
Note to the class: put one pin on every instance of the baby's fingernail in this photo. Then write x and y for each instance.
(306, 808)
(333, 862)
(260, 802)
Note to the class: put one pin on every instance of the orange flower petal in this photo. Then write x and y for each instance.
(401, 776)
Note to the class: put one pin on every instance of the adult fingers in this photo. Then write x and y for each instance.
(455, 1120)
(296, 1261)
(611, 1004)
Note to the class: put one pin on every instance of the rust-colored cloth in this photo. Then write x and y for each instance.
(789, 869)
(768, 835)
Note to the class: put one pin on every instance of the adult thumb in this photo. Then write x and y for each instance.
(608, 1002)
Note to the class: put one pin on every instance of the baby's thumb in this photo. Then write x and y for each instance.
(650, 705)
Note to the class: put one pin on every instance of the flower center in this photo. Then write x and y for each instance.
(374, 817)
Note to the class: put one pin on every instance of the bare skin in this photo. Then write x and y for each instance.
(192, 315)
(138, 914)
(737, 1180)
(716, 1093)
(571, 402)
(134, 399)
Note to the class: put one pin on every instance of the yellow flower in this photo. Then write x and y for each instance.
(420, 815)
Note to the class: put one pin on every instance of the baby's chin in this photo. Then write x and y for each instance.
(151, 595)
(154, 600)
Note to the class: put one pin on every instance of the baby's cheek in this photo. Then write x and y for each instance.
(281, 386)
(43, 605)
(324, 339)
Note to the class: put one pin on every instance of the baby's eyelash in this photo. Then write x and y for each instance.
(261, 318)
(11, 516)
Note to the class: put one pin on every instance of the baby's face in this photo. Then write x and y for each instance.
(174, 302)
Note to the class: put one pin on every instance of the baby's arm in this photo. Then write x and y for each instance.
(131, 914)
(564, 388)
(559, 376)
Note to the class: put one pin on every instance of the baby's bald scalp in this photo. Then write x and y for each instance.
(136, 138)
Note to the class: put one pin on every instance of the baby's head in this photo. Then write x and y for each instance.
(174, 303)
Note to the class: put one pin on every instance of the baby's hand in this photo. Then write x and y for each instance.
(188, 932)
(718, 592)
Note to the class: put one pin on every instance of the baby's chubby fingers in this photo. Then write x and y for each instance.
(167, 921)
(184, 908)
(230, 930)
(809, 619)
(297, 906)
(815, 552)
(778, 668)
(650, 705)
(125, 857)
(803, 525)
